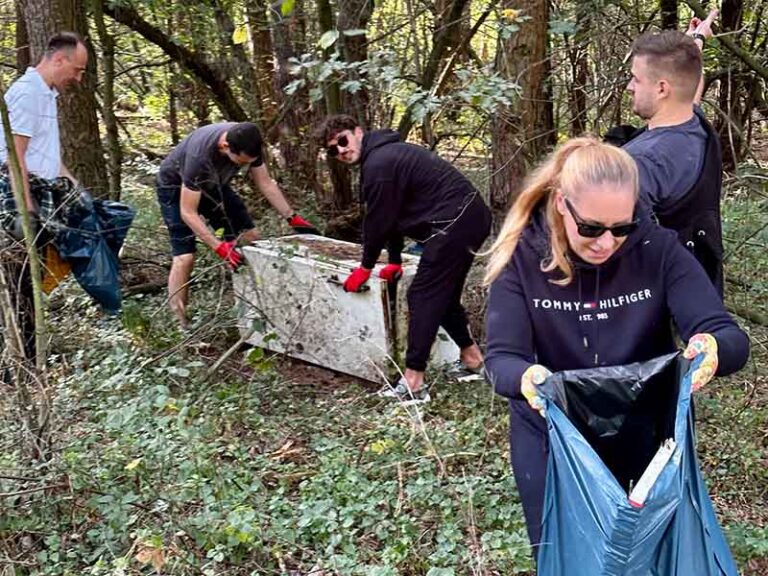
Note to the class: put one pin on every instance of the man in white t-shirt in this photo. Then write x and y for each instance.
(31, 102)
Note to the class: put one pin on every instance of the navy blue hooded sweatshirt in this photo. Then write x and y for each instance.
(614, 313)
(408, 191)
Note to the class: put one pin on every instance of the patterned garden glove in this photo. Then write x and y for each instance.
(707, 345)
(355, 281)
(391, 272)
(227, 252)
(532, 377)
(301, 226)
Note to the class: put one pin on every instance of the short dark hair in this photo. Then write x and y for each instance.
(332, 125)
(244, 138)
(63, 41)
(674, 55)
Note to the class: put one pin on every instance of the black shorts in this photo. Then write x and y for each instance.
(226, 212)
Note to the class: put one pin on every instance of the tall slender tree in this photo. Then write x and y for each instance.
(295, 118)
(114, 148)
(22, 39)
(668, 9)
(524, 129)
(263, 58)
(733, 90)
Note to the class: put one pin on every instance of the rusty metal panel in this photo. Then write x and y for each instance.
(290, 300)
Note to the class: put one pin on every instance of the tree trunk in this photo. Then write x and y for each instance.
(238, 66)
(732, 92)
(445, 30)
(331, 91)
(668, 9)
(354, 15)
(523, 130)
(173, 106)
(114, 149)
(298, 149)
(80, 142)
(264, 68)
(578, 55)
(22, 40)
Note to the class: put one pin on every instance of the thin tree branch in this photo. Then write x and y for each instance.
(192, 61)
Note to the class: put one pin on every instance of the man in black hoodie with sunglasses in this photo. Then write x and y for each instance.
(409, 191)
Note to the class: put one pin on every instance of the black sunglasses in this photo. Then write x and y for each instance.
(342, 141)
(596, 230)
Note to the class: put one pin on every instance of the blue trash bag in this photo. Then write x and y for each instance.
(90, 241)
(605, 425)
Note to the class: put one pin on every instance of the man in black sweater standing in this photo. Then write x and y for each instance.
(409, 191)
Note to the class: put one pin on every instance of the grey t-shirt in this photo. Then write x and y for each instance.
(197, 162)
(669, 161)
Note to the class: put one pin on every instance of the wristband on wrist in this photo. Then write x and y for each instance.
(697, 36)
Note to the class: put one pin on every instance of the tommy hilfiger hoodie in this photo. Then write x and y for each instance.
(615, 313)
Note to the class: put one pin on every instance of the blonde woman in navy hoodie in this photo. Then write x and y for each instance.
(577, 281)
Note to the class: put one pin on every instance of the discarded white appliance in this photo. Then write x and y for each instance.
(290, 300)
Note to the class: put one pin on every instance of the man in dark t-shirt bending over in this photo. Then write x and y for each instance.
(193, 187)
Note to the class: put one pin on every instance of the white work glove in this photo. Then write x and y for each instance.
(533, 377)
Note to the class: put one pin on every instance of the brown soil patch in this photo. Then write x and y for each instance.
(333, 250)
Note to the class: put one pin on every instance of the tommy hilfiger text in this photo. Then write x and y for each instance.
(604, 304)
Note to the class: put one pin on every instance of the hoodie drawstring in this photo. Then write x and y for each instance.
(595, 323)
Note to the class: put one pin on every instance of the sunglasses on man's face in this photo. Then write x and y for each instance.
(588, 230)
(342, 141)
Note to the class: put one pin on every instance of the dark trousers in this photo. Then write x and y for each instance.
(529, 447)
(434, 297)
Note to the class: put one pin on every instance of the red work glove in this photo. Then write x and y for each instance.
(227, 252)
(301, 226)
(355, 281)
(391, 272)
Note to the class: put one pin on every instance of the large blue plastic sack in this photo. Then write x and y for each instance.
(90, 242)
(589, 526)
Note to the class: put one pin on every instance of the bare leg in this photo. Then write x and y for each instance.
(471, 356)
(415, 379)
(178, 285)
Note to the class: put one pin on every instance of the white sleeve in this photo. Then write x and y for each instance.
(23, 111)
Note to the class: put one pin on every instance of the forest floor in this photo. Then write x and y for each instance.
(274, 466)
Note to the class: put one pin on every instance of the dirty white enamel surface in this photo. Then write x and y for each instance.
(290, 296)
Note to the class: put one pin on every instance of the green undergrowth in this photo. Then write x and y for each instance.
(259, 475)
(257, 468)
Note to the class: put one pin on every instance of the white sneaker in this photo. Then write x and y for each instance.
(399, 390)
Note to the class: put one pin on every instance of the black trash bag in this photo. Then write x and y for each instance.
(621, 134)
(623, 412)
(115, 219)
(90, 241)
